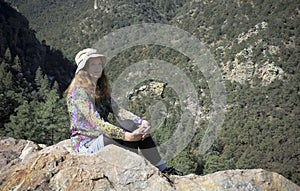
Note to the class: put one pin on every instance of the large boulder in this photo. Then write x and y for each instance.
(113, 168)
(55, 168)
(13, 151)
(236, 180)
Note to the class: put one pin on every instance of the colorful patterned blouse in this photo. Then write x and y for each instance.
(86, 122)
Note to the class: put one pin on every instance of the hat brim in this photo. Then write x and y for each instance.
(83, 62)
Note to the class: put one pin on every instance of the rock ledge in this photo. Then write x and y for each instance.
(113, 168)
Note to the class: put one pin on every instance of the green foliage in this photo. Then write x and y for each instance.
(7, 55)
(184, 162)
(52, 118)
(9, 95)
(39, 115)
(21, 125)
(42, 85)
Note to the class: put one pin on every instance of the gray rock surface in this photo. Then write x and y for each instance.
(113, 168)
(13, 151)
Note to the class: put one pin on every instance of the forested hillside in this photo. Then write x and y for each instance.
(32, 78)
(71, 25)
(255, 43)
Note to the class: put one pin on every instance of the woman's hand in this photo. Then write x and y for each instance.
(131, 137)
(139, 134)
(145, 127)
(145, 136)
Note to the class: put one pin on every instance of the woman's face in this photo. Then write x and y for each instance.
(95, 67)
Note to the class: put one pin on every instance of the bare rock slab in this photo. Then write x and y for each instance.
(113, 168)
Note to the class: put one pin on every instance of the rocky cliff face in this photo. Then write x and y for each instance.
(16, 35)
(244, 68)
(27, 166)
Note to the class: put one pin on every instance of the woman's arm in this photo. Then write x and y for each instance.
(123, 114)
(84, 105)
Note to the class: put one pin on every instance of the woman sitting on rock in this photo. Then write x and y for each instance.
(89, 104)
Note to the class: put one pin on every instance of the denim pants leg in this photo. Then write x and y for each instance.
(93, 146)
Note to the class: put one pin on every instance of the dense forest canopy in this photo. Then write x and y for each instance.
(255, 43)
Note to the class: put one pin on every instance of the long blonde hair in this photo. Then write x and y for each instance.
(83, 79)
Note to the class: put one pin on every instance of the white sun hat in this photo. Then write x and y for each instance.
(82, 57)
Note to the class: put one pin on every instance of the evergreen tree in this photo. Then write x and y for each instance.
(184, 162)
(17, 65)
(24, 87)
(8, 96)
(52, 120)
(52, 117)
(22, 123)
(42, 119)
(7, 56)
(214, 163)
(42, 85)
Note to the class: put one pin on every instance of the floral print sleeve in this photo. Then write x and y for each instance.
(85, 120)
(124, 114)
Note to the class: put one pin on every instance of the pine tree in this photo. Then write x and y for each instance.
(213, 163)
(61, 119)
(8, 96)
(6, 77)
(17, 65)
(23, 86)
(41, 120)
(7, 56)
(52, 118)
(22, 123)
(42, 85)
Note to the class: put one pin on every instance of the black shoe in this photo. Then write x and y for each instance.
(172, 171)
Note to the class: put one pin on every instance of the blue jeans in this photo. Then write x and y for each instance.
(93, 146)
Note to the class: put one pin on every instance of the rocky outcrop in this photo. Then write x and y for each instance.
(113, 168)
(236, 180)
(153, 89)
(14, 151)
(245, 67)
